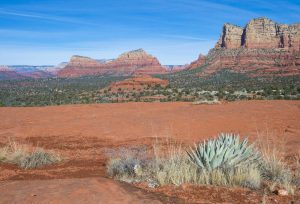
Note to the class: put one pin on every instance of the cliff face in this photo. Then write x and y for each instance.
(231, 36)
(262, 47)
(198, 63)
(260, 33)
(129, 63)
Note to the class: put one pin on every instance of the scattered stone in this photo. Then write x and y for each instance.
(152, 184)
(281, 192)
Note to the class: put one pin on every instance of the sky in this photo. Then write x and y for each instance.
(36, 32)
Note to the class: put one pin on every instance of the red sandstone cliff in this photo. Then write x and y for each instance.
(129, 63)
(262, 47)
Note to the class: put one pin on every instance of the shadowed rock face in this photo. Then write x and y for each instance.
(231, 37)
(262, 47)
(129, 63)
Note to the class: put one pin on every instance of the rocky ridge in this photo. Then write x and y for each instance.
(136, 84)
(262, 47)
(6, 73)
(129, 63)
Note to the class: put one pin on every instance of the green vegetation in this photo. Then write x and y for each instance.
(53, 91)
(224, 152)
(184, 86)
(224, 161)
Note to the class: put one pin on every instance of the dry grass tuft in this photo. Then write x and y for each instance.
(172, 166)
(273, 168)
(21, 155)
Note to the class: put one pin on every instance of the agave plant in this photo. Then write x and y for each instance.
(224, 152)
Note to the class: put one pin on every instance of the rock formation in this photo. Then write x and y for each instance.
(198, 63)
(32, 71)
(136, 84)
(231, 37)
(260, 33)
(262, 47)
(129, 63)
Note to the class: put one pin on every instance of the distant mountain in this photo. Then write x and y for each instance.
(175, 68)
(130, 63)
(8, 74)
(54, 69)
(32, 71)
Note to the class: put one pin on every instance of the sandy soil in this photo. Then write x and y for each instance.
(83, 133)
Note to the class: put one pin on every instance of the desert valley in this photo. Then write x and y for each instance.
(222, 129)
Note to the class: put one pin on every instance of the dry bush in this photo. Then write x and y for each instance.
(21, 155)
(272, 167)
(127, 164)
(39, 158)
(296, 179)
(171, 165)
(176, 168)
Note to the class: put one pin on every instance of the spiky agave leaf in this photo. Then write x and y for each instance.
(224, 152)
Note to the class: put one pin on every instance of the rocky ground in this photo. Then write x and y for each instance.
(83, 134)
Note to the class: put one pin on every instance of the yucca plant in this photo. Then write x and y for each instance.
(224, 152)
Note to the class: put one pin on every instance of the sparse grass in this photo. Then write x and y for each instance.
(38, 158)
(173, 166)
(21, 155)
(208, 102)
(170, 164)
(296, 179)
(272, 166)
(176, 168)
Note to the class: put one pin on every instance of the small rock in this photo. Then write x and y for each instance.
(281, 192)
(152, 184)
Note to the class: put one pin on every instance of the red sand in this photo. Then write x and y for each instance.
(81, 133)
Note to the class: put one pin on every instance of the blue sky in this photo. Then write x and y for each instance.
(176, 31)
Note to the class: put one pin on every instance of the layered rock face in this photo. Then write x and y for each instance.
(80, 66)
(198, 63)
(136, 84)
(260, 33)
(129, 63)
(262, 47)
(231, 37)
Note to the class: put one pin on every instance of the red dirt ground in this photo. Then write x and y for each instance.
(82, 134)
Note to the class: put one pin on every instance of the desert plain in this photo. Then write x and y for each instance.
(83, 134)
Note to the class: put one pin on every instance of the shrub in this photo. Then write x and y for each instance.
(38, 158)
(127, 164)
(297, 172)
(122, 167)
(20, 155)
(224, 152)
(174, 166)
(271, 166)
